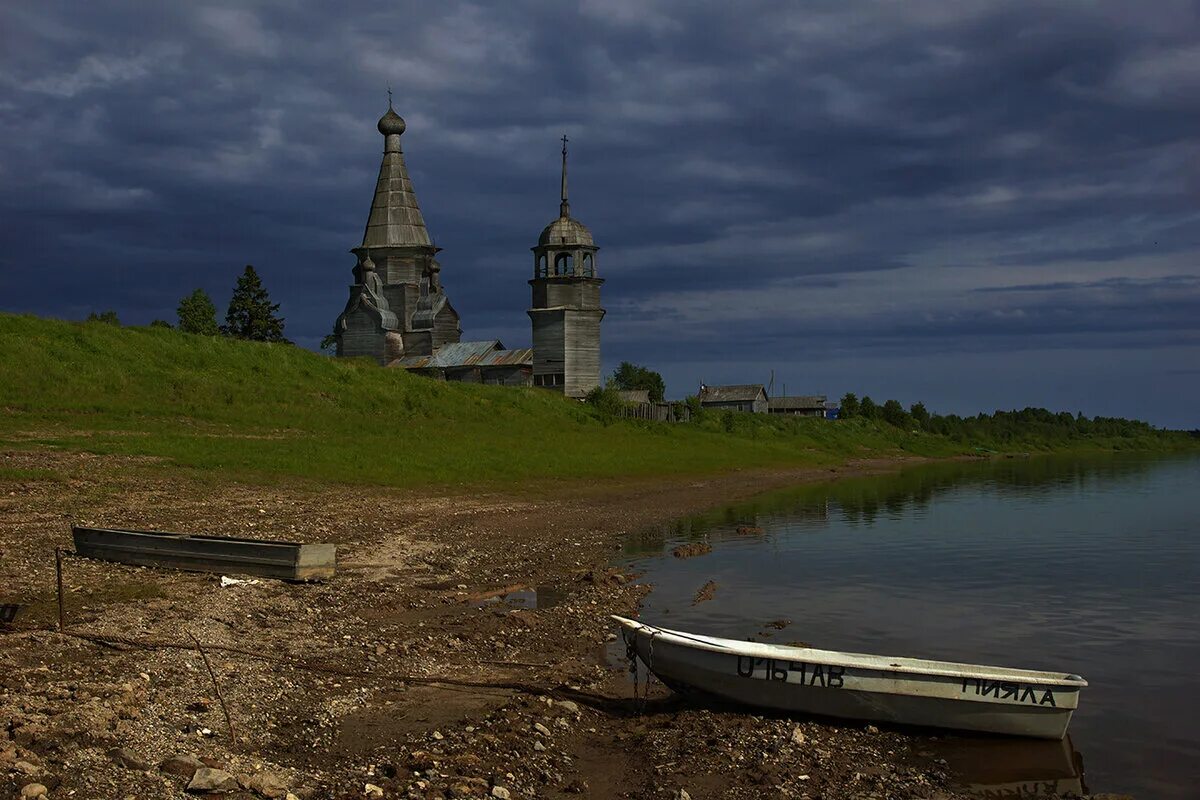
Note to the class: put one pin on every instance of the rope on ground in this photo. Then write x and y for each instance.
(116, 642)
(642, 698)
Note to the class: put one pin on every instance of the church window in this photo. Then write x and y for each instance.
(588, 268)
(541, 266)
(564, 264)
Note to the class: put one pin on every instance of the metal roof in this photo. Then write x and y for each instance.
(489, 353)
(732, 394)
(508, 358)
(810, 401)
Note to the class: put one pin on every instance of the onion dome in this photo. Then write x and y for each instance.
(391, 123)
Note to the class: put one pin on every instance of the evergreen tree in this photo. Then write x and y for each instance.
(197, 314)
(867, 408)
(251, 313)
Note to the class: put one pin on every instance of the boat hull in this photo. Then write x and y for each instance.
(198, 553)
(855, 692)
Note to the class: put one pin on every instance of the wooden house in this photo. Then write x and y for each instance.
(751, 398)
(799, 406)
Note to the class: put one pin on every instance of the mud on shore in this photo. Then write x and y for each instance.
(414, 673)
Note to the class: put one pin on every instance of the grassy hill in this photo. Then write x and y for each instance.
(260, 411)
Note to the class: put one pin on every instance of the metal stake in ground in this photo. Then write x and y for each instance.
(62, 625)
(216, 687)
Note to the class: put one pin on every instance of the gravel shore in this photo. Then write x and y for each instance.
(423, 669)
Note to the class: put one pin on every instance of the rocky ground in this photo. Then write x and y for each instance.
(422, 670)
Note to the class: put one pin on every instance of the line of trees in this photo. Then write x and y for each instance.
(998, 426)
(251, 314)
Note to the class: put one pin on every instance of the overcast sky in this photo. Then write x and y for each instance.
(975, 204)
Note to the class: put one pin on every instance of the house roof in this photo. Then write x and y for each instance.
(490, 353)
(810, 401)
(395, 219)
(732, 394)
(635, 395)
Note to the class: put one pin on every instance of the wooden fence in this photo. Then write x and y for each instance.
(657, 412)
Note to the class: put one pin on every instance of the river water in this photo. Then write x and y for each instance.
(1089, 566)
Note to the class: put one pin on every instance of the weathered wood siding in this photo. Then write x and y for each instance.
(494, 375)
(446, 328)
(567, 292)
(755, 407)
(362, 337)
(418, 343)
(507, 376)
(548, 342)
(581, 349)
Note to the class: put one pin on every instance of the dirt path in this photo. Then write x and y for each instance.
(332, 688)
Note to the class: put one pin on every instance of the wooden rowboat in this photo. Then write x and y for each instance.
(906, 691)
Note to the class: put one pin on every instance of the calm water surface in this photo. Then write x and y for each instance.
(1087, 566)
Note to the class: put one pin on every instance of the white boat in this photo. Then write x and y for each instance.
(906, 691)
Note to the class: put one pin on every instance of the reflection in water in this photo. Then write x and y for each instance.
(1014, 768)
(1081, 565)
(861, 500)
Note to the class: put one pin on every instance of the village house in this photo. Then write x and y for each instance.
(399, 314)
(750, 398)
(799, 406)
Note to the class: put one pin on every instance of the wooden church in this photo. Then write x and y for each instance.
(399, 314)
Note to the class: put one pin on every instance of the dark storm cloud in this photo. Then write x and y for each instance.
(763, 178)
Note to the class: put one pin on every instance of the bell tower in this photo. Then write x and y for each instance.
(566, 311)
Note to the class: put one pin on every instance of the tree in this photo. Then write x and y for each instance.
(867, 408)
(920, 414)
(197, 314)
(848, 408)
(607, 402)
(894, 414)
(107, 317)
(631, 377)
(161, 323)
(251, 313)
(329, 343)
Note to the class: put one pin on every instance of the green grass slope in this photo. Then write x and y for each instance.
(255, 411)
